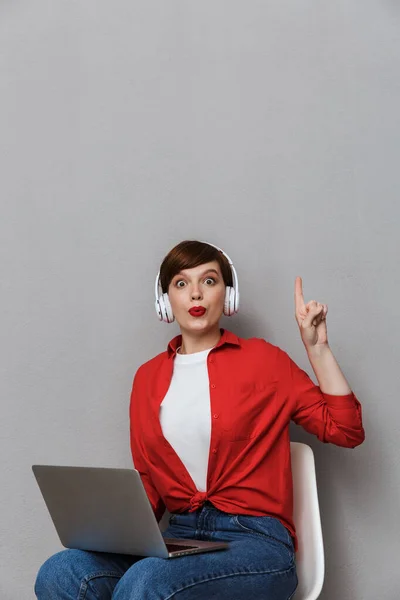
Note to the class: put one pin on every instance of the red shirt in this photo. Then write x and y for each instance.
(255, 390)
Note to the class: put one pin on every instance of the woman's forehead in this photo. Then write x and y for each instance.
(201, 270)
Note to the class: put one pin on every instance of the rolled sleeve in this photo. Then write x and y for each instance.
(333, 419)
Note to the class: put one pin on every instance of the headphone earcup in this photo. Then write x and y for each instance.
(162, 308)
(228, 306)
(158, 310)
(232, 301)
(231, 304)
(236, 305)
(167, 310)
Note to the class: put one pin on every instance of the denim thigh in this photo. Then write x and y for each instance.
(259, 563)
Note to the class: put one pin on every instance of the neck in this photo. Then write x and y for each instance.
(198, 341)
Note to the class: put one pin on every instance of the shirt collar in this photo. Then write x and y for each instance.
(227, 337)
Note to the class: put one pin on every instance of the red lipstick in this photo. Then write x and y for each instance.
(197, 311)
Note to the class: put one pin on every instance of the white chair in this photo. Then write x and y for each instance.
(310, 554)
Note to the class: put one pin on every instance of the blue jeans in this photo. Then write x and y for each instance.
(259, 564)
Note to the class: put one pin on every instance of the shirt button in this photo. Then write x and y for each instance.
(213, 385)
(216, 416)
(211, 360)
(214, 451)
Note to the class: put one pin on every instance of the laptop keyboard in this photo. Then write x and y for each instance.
(177, 547)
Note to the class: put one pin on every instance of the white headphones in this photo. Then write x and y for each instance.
(231, 303)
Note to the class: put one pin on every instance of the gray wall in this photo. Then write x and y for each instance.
(270, 128)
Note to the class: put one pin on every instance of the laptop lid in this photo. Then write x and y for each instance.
(101, 509)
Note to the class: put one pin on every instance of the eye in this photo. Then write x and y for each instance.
(181, 281)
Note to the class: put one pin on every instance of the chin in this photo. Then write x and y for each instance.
(198, 324)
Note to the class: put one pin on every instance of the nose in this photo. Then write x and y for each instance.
(196, 293)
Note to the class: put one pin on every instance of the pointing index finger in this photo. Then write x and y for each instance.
(298, 293)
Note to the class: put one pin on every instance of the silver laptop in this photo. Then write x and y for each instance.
(107, 510)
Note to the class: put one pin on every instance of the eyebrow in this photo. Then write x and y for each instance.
(202, 275)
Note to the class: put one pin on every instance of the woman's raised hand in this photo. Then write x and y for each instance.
(311, 318)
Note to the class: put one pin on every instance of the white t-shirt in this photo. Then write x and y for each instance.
(185, 414)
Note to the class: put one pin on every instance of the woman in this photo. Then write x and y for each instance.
(210, 437)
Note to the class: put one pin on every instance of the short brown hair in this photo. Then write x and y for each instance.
(189, 254)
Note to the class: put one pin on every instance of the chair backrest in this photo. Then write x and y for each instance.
(310, 555)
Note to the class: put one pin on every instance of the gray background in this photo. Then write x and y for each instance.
(270, 128)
